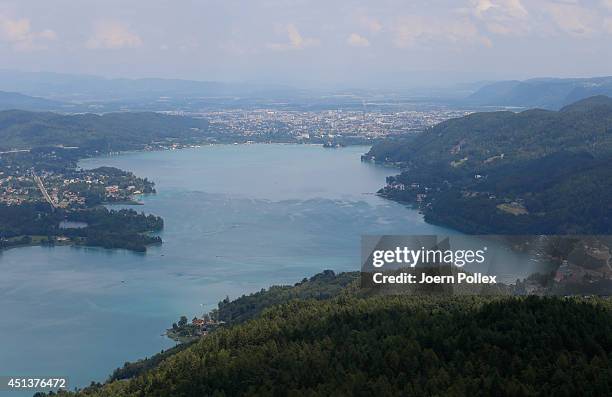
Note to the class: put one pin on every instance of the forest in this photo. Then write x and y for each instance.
(105, 228)
(92, 133)
(357, 345)
(324, 285)
(534, 172)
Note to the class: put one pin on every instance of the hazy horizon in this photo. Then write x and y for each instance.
(297, 85)
(300, 43)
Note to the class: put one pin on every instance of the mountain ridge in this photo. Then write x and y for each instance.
(14, 100)
(549, 93)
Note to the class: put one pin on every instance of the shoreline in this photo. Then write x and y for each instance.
(61, 244)
(74, 244)
(135, 202)
(307, 267)
(200, 146)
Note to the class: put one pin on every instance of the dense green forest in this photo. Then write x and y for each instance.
(350, 344)
(582, 126)
(534, 172)
(27, 219)
(105, 228)
(109, 132)
(321, 286)
(324, 285)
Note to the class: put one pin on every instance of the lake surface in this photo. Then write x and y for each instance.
(238, 218)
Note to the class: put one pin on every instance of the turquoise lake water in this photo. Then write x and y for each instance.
(238, 218)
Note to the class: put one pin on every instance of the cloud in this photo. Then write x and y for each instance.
(355, 40)
(373, 25)
(608, 25)
(508, 8)
(234, 47)
(414, 30)
(542, 18)
(572, 18)
(19, 33)
(112, 35)
(482, 6)
(606, 4)
(296, 40)
(502, 17)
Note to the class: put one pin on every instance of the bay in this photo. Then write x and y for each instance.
(238, 218)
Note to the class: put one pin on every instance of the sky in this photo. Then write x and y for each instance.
(358, 43)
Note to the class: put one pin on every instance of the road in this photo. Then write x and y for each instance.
(43, 190)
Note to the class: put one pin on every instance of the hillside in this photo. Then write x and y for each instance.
(394, 345)
(108, 132)
(321, 286)
(537, 171)
(14, 100)
(583, 126)
(543, 93)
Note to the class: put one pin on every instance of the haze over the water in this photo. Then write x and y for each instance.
(356, 43)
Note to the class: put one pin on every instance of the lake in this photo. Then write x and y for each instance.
(238, 218)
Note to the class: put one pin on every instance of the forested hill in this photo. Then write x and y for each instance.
(348, 345)
(108, 132)
(583, 126)
(537, 171)
(321, 286)
(14, 100)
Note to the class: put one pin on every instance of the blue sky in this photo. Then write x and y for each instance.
(381, 43)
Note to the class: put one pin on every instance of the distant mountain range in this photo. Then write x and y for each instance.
(546, 93)
(84, 93)
(69, 87)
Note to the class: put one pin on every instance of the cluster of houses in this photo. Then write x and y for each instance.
(16, 189)
(113, 192)
(206, 324)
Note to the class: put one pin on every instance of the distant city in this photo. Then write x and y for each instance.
(306, 126)
(68, 187)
